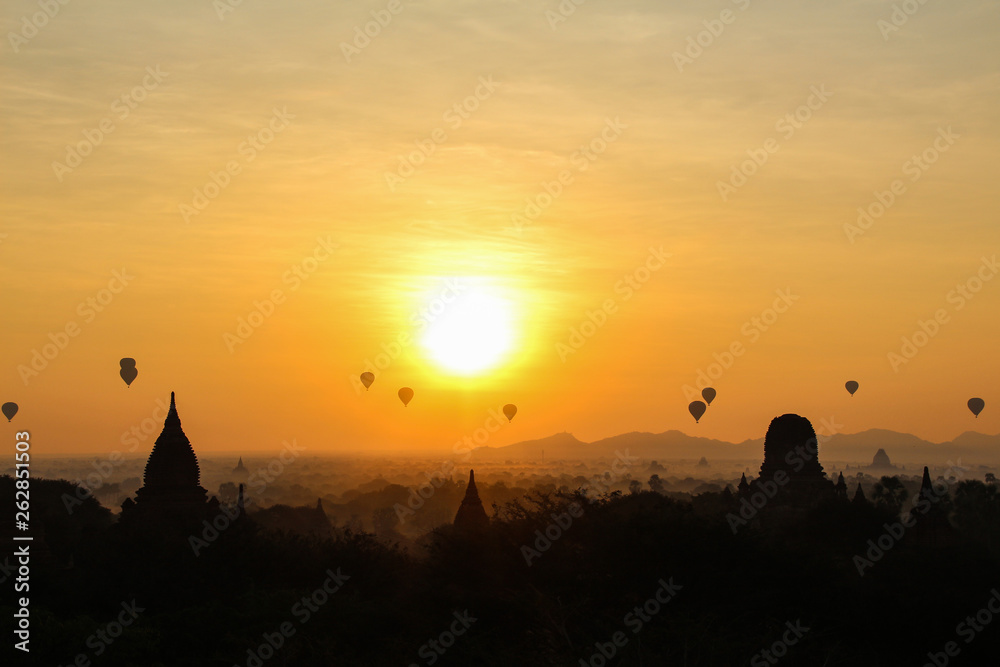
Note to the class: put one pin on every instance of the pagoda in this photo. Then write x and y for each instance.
(840, 488)
(471, 513)
(859, 496)
(171, 488)
(791, 448)
(241, 470)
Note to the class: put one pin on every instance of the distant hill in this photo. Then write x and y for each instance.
(558, 446)
(970, 447)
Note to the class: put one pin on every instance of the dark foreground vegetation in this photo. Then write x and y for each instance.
(625, 579)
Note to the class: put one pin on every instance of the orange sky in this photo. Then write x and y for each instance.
(229, 157)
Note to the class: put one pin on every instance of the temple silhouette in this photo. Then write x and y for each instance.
(171, 493)
(881, 463)
(791, 468)
(471, 513)
(791, 445)
(240, 472)
(171, 502)
(205, 570)
(840, 488)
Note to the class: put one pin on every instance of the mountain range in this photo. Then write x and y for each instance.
(854, 448)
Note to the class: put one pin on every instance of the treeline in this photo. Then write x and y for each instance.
(555, 579)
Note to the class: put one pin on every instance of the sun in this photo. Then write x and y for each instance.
(470, 330)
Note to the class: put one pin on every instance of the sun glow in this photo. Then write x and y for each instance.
(471, 333)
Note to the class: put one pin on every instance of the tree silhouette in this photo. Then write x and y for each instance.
(890, 493)
(227, 493)
(656, 484)
(977, 513)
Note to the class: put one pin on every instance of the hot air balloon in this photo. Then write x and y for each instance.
(852, 386)
(405, 395)
(128, 371)
(697, 409)
(509, 411)
(975, 404)
(9, 410)
(367, 379)
(708, 394)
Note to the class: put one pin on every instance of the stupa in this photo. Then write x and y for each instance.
(840, 488)
(171, 482)
(471, 513)
(859, 496)
(881, 462)
(791, 447)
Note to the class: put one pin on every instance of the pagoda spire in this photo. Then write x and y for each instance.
(859, 495)
(743, 490)
(471, 513)
(171, 479)
(840, 488)
(172, 462)
(173, 419)
(926, 488)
